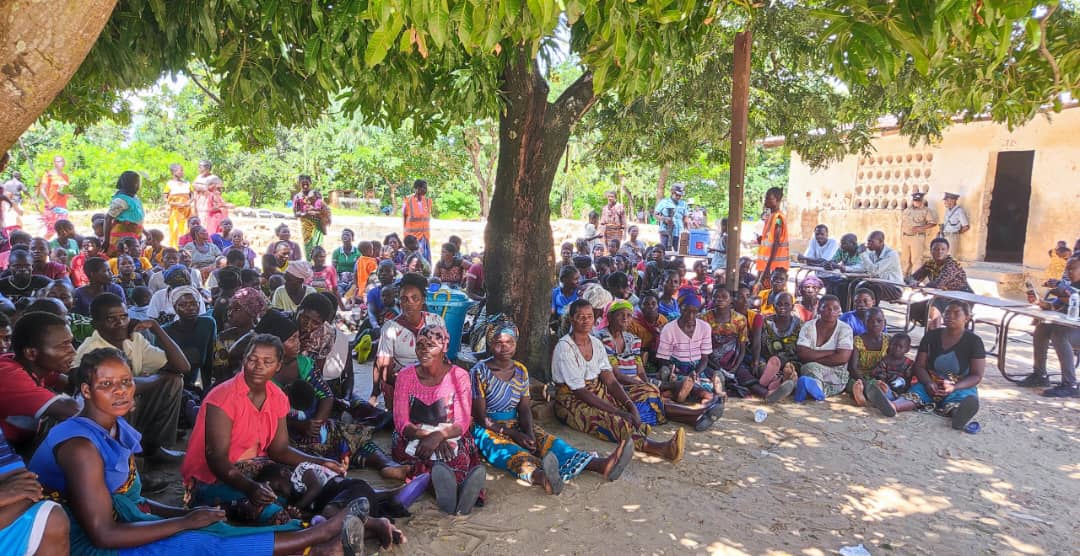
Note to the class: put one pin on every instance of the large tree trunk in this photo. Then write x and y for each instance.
(661, 182)
(41, 46)
(519, 257)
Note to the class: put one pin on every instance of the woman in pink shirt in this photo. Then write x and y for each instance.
(241, 428)
(432, 417)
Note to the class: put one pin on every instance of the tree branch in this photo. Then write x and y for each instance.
(575, 101)
(209, 93)
(1042, 45)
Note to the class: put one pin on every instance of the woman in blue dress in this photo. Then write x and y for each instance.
(88, 464)
(503, 426)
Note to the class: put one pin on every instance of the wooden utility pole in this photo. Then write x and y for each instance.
(740, 106)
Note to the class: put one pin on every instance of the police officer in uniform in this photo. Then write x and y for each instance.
(956, 222)
(915, 223)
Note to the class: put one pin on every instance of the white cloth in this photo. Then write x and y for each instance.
(590, 231)
(884, 266)
(145, 358)
(322, 475)
(281, 299)
(816, 251)
(159, 305)
(338, 357)
(842, 337)
(176, 293)
(399, 343)
(175, 187)
(569, 366)
(955, 219)
(157, 280)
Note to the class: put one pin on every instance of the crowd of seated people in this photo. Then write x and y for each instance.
(120, 354)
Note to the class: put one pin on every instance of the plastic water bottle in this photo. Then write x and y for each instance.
(1074, 304)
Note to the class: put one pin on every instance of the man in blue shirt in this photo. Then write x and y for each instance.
(672, 213)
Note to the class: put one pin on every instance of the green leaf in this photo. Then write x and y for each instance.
(379, 43)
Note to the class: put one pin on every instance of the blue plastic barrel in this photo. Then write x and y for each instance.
(699, 243)
(451, 304)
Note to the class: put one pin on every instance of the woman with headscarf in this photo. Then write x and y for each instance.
(246, 307)
(432, 422)
(288, 297)
(730, 333)
(124, 218)
(503, 423)
(160, 309)
(194, 333)
(589, 398)
(397, 339)
(809, 289)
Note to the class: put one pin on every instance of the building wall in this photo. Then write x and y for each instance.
(964, 162)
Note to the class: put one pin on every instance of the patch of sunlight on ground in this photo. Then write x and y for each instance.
(998, 498)
(891, 501)
(1072, 469)
(1019, 546)
(969, 466)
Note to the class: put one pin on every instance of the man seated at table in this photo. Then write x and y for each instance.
(1065, 339)
(880, 262)
(821, 250)
(33, 375)
(159, 371)
(847, 255)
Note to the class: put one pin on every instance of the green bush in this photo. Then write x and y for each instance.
(457, 204)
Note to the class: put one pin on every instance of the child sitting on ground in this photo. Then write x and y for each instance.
(892, 376)
(316, 490)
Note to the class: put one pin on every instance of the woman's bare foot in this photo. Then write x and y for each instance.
(857, 393)
(382, 531)
(396, 472)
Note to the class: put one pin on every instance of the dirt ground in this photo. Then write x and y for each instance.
(810, 480)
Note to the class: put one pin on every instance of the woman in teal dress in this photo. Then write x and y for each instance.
(88, 464)
(503, 426)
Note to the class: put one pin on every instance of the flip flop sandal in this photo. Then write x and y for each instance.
(446, 488)
(781, 393)
(680, 445)
(625, 458)
(352, 536)
(704, 422)
(716, 409)
(877, 398)
(469, 492)
(964, 412)
(551, 471)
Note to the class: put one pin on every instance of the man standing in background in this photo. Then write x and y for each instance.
(416, 215)
(671, 213)
(772, 250)
(613, 219)
(956, 222)
(915, 222)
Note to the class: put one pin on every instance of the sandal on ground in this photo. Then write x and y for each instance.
(964, 412)
(716, 408)
(352, 536)
(551, 472)
(1035, 380)
(469, 492)
(780, 393)
(625, 457)
(678, 445)
(446, 487)
(877, 398)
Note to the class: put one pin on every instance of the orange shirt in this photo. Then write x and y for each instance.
(417, 217)
(775, 232)
(364, 267)
(51, 184)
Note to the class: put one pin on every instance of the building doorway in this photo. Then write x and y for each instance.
(1009, 203)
